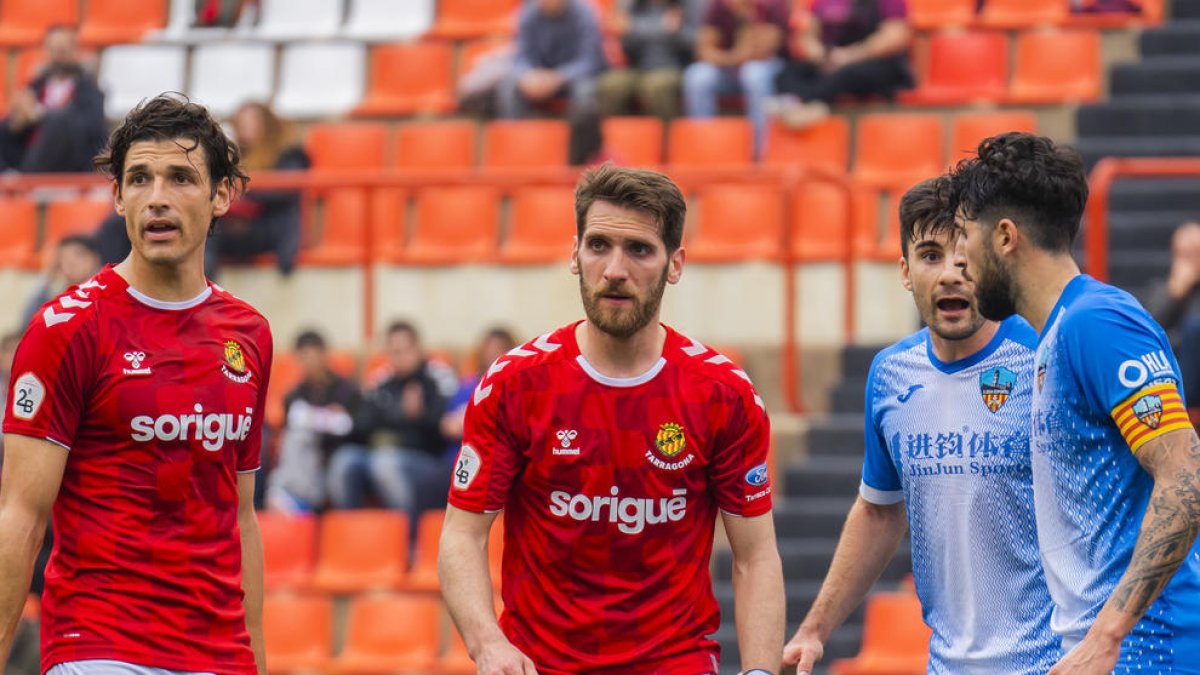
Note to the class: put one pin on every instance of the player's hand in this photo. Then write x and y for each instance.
(502, 658)
(804, 650)
(1092, 656)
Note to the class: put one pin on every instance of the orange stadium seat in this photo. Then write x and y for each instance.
(462, 19)
(375, 644)
(1012, 14)
(962, 67)
(107, 22)
(540, 226)
(895, 638)
(970, 128)
(341, 147)
(343, 230)
(824, 146)
(931, 14)
(29, 61)
(24, 22)
(892, 148)
(737, 223)
(424, 573)
(455, 660)
(710, 143)
(361, 550)
(442, 144)
(525, 144)
(297, 632)
(66, 218)
(875, 218)
(820, 217)
(289, 549)
(18, 233)
(454, 225)
(389, 208)
(634, 141)
(1056, 66)
(285, 375)
(474, 50)
(410, 78)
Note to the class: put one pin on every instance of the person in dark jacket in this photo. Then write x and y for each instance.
(559, 51)
(56, 123)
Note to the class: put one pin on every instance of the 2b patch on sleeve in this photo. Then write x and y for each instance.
(27, 396)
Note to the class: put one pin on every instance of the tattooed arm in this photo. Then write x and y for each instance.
(1168, 531)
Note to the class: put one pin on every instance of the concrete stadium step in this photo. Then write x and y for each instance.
(826, 475)
(856, 359)
(1184, 9)
(1175, 115)
(1167, 194)
(836, 436)
(848, 396)
(1158, 75)
(1180, 36)
(1135, 230)
(811, 517)
(1097, 147)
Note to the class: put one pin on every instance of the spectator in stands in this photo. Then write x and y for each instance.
(318, 415)
(658, 38)
(1175, 305)
(559, 51)
(739, 50)
(264, 221)
(850, 47)
(56, 123)
(495, 343)
(75, 260)
(395, 446)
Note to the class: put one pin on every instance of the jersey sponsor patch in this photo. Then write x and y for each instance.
(28, 394)
(757, 476)
(466, 467)
(1150, 413)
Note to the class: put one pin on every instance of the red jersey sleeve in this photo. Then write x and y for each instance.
(250, 458)
(53, 372)
(739, 470)
(490, 457)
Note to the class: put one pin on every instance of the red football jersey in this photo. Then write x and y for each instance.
(160, 405)
(610, 490)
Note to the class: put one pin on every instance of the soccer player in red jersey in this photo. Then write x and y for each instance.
(610, 444)
(134, 414)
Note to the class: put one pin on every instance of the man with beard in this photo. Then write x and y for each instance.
(610, 444)
(947, 438)
(1116, 465)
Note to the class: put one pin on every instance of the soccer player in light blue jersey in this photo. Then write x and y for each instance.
(1116, 465)
(947, 439)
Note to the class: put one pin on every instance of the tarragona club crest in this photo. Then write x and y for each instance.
(670, 440)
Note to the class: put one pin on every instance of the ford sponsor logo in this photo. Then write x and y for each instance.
(757, 476)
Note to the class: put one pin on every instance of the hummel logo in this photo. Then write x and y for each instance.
(903, 398)
(565, 436)
(135, 359)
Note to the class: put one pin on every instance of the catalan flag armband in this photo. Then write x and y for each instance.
(1150, 413)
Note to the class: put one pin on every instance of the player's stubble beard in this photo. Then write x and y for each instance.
(994, 289)
(617, 323)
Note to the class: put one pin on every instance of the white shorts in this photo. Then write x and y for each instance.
(106, 667)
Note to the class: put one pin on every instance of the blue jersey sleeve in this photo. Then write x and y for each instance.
(880, 482)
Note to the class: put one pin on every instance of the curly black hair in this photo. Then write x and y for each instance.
(1039, 185)
(169, 117)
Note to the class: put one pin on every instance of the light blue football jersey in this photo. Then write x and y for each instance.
(952, 441)
(1102, 358)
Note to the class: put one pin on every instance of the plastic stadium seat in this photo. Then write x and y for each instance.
(389, 208)
(386, 633)
(824, 146)
(77, 216)
(709, 143)
(1023, 13)
(361, 550)
(343, 231)
(874, 216)
(130, 73)
(380, 20)
(930, 14)
(343, 147)
(820, 217)
(410, 78)
(289, 548)
(462, 19)
(525, 144)
(442, 144)
(970, 128)
(424, 573)
(288, 20)
(227, 74)
(24, 22)
(1056, 66)
(737, 223)
(895, 639)
(297, 632)
(320, 79)
(893, 148)
(285, 375)
(474, 50)
(18, 233)
(454, 225)
(107, 22)
(541, 222)
(634, 141)
(962, 67)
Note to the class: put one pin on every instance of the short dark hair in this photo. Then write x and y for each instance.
(85, 241)
(168, 117)
(1040, 185)
(924, 210)
(310, 338)
(402, 326)
(638, 189)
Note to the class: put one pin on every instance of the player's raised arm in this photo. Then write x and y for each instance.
(870, 537)
(33, 470)
(759, 599)
(467, 589)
